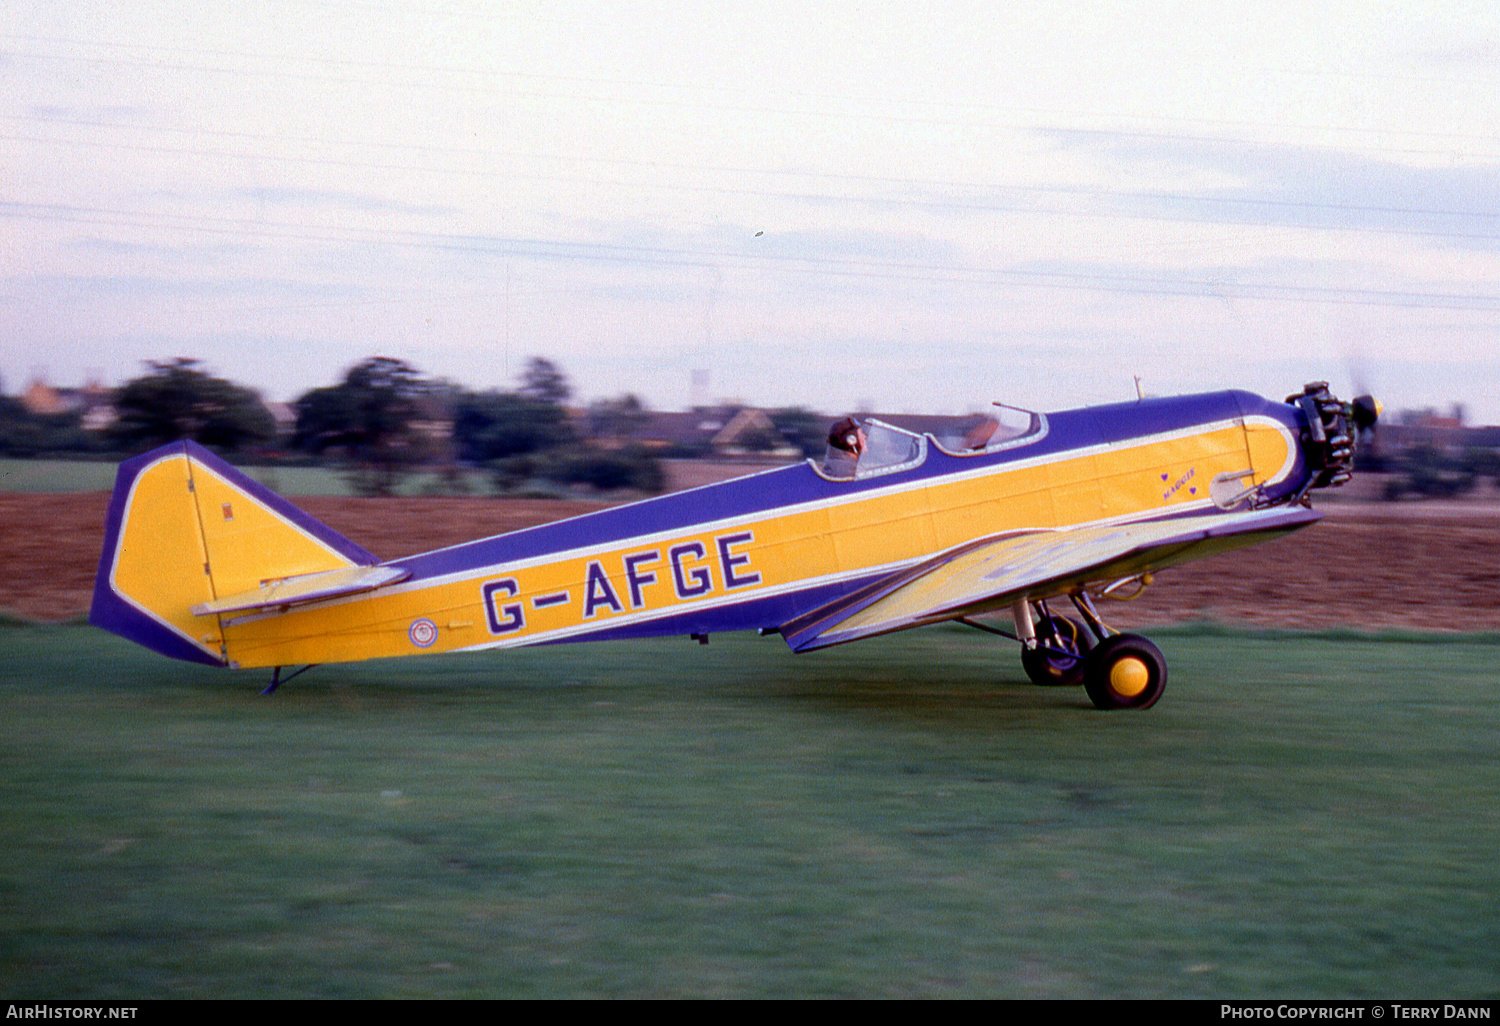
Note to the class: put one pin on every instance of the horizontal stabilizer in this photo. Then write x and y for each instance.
(293, 591)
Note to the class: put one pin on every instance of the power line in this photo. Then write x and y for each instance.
(480, 153)
(978, 202)
(983, 114)
(909, 271)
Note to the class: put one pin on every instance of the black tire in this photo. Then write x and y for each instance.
(1125, 671)
(1059, 659)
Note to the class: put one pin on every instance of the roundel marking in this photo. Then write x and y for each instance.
(422, 633)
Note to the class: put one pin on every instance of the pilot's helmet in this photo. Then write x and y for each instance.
(845, 435)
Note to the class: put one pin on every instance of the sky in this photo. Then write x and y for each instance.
(850, 206)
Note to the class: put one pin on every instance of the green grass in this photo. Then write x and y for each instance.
(81, 476)
(55, 476)
(1299, 817)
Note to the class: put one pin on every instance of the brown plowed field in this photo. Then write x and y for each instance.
(1419, 566)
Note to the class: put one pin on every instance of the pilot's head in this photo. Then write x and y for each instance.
(848, 436)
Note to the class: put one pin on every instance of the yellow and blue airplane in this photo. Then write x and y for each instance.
(1007, 511)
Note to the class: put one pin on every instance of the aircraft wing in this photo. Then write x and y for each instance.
(994, 572)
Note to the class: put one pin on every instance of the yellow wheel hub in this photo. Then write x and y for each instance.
(1129, 677)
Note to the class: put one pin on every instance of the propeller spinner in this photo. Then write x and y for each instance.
(1365, 411)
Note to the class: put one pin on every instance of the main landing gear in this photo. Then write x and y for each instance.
(1118, 671)
(1125, 671)
(1063, 645)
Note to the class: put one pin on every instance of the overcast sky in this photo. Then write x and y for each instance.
(891, 206)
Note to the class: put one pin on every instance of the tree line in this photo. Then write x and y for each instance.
(384, 420)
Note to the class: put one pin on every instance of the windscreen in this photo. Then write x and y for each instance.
(887, 447)
(998, 427)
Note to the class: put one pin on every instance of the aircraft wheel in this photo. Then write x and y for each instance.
(1062, 635)
(1125, 671)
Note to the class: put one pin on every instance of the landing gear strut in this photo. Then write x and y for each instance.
(1119, 671)
(1123, 671)
(1061, 644)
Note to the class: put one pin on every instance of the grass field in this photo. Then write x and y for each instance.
(1299, 817)
(79, 476)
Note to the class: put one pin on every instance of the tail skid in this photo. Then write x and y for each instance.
(186, 533)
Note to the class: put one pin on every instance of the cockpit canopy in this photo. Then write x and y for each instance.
(891, 447)
(999, 427)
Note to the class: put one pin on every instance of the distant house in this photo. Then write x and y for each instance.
(91, 403)
(750, 432)
(1426, 430)
(725, 432)
(691, 430)
(1484, 437)
(98, 417)
(433, 419)
(285, 416)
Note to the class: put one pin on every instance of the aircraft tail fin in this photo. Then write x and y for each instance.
(186, 529)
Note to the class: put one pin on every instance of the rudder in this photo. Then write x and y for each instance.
(185, 528)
